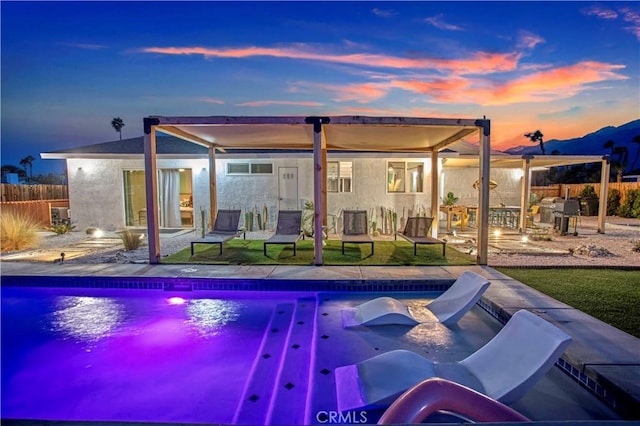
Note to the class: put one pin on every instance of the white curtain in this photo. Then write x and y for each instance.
(169, 198)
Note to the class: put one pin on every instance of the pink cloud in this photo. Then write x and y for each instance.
(440, 89)
(558, 83)
(265, 103)
(477, 63)
(437, 22)
(542, 86)
(383, 13)
(529, 40)
(361, 93)
(85, 46)
(600, 12)
(211, 101)
(632, 17)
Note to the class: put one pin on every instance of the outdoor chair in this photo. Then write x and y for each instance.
(504, 369)
(225, 228)
(355, 228)
(288, 229)
(448, 308)
(416, 231)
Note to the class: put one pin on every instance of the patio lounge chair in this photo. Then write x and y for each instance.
(224, 229)
(355, 229)
(288, 229)
(416, 231)
(503, 369)
(448, 308)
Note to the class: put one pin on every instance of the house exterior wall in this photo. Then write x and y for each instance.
(460, 182)
(96, 189)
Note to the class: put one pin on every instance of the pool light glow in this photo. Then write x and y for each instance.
(176, 301)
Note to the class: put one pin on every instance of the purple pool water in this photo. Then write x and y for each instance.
(129, 355)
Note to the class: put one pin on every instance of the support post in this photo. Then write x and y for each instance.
(213, 190)
(151, 189)
(435, 193)
(526, 191)
(324, 180)
(318, 173)
(604, 193)
(483, 200)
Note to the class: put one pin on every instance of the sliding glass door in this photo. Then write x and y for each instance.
(175, 198)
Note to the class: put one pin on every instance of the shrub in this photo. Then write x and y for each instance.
(588, 192)
(18, 232)
(131, 240)
(613, 202)
(636, 246)
(631, 206)
(63, 228)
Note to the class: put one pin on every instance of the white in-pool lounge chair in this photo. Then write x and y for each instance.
(288, 230)
(448, 308)
(503, 369)
(225, 228)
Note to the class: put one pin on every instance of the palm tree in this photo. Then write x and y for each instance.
(622, 158)
(609, 145)
(28, 161)
(118, 124)
(636, 139)
(536, 137)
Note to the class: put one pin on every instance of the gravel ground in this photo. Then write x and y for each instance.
(615, 248)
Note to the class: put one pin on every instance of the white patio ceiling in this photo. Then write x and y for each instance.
(383, 134)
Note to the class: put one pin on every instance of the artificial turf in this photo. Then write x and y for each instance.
(250, 252)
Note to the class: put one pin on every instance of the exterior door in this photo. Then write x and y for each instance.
(288, 188)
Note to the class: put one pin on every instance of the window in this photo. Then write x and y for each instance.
(249, 168)
(405, 176)
(339, 176)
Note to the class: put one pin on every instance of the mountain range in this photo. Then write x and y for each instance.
(590, 144)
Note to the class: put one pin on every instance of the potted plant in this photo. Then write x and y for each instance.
(450, 199)
(588, 201)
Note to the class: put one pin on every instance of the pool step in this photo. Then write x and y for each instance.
(290, 393)
(257, 395)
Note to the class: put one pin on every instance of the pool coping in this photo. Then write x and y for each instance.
(601, 358)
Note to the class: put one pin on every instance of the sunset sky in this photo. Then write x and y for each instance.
(68, 68)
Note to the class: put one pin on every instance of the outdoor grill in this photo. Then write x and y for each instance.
(547, 207)
(563, 211)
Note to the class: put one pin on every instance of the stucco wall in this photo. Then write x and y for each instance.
(460, 182)
(97, 199)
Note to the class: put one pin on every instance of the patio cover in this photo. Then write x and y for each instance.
(348, 133)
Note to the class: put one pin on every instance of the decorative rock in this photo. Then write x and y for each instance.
(592, 250)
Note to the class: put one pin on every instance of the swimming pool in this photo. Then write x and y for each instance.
(219, 357)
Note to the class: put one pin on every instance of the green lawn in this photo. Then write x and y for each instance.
(612, 296)
(249, 252)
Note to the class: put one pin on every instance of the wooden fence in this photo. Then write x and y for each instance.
(37, 210)
(11, 192)
(575, 189)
